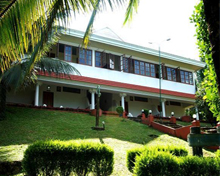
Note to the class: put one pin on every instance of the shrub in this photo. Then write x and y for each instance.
(131, 154)
(156, 164)
(64, 158)
(119, 109)
(217, 153)
(146, 112)
(197, 166)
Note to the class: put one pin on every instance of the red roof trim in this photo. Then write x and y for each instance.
(117, 84)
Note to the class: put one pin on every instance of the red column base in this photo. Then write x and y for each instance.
(196, 123)
(173, 119)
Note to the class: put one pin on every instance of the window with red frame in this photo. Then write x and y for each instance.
(171, 74)
(68, 53)
(85, 56)
(186, 77)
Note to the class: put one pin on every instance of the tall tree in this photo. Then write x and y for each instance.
(207, 79)
(30, 22)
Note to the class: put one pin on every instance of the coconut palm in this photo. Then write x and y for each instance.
(30, 22)
(11, 80)
(28, 25)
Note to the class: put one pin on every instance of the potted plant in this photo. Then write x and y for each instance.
(146, 112)
(120, 110)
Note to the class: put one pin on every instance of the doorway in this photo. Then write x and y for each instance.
(48, 99)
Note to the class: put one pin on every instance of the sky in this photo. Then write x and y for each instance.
(156, 21)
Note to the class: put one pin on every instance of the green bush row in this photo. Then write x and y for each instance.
(163, 163)
(217, 153)
(66, 158)
(131, 154)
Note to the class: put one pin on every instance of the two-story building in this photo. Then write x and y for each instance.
(128, 75)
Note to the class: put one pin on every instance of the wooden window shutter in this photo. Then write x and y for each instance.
(157, 70)
(104, 60)
(131, 65)
(164, 72)
(178, 79)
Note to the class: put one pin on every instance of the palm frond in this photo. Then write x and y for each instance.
(90, 25)
(132, 6)
(54, 65)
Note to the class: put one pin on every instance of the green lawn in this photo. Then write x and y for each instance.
(24, 126)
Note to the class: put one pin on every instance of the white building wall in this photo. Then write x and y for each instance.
(23, 97)
(65, 99)
(129, 78)
(178, 110)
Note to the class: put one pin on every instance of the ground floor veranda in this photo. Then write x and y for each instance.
(57, 92)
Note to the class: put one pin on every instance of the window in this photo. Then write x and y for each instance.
(174, 103)
(98, 60)
(136, 67)
(85, 57)
(147, 68)
(126, 64)
(152, 70)
(68, 53)
(171, 74)
(186, 77)
(141, 99)
(108, 61)
(142, 68)
(111, 61)
(71, 90)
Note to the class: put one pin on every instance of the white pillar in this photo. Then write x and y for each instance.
(163, 108)
(93, 58)
(121, 63)
(92, 91)
(197, 113)
(123, 95)
(37, 95)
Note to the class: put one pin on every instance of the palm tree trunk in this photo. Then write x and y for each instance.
(2, 100)
(211, 9)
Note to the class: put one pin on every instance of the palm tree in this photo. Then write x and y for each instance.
(31, 22)
(26, 24)
(11, 80)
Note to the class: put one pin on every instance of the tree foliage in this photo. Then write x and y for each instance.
(207, 92)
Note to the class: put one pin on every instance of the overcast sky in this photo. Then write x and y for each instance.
(156, 21)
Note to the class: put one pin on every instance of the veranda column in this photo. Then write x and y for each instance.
(123, 95)
(93, 58)
(92, 91)
(163, 107)
(121, 59)
(36, 103)
(197, 114)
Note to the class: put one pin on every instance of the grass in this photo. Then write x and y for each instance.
(202, 124)
(24, 126)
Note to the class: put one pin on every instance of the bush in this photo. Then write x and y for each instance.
(197, 166)
(119, 109)
(217, 153)
(131, 154)
(146, 112)
(156, 164)
(50, 157)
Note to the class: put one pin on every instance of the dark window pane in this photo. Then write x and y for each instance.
(136, 67)
(61, 48)
(142, 68)
(147, 69)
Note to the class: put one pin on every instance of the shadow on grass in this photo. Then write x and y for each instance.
(25, 126)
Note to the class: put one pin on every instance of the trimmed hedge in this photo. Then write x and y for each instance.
(156, 164)
(131, 154)
(119, 110)
(64, 158)
(217, 153)
(197, 166)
